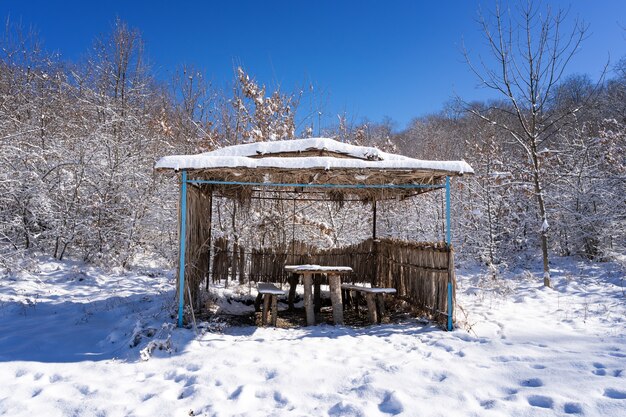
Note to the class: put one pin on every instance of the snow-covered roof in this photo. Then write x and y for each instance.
(259, 155)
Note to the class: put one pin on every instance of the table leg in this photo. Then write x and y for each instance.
(335, 297)
(308, 298)
(317, 293)
(371, 307)
(293, 284)
(274, 310)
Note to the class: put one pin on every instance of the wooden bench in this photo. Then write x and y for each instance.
(373, 296)
(270, 294)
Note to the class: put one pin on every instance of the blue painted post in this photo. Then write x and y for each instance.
(448, 241)
(183, 238)
(448, 236)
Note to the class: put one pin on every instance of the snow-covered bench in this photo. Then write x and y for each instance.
(373, 296)
(270, 294)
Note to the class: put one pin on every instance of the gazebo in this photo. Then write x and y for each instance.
(422, 272)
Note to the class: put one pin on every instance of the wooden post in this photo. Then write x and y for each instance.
(374, 220)
(308, 298)
(242, 264)
(371, 307)
(376, 263)
(274, 309)
(293, 284)
(234, 261)
(266, 308)
(375, 280)
(335, 297)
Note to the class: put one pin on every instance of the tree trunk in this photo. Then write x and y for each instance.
(542, 214)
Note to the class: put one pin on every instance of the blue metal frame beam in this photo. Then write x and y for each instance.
(358, 186)
(448, 234)
(183, 239)
(448, 241)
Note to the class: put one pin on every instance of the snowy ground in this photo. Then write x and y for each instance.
(66, 332)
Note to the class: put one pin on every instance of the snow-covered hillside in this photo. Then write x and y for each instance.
(72, 339)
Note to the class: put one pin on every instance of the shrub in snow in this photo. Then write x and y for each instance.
(160, 344)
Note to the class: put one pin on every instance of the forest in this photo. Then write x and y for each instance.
(80, 139)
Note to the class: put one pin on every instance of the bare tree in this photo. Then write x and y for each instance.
(529, 53)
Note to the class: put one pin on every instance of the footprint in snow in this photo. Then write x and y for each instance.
(540, 401)
(187, 392)
(440, 377)
(236, 393)
(192, 380)
(342, 409)
(146, 397)
(445, 347)
(55, 378)
(36, 392)
(192, 367)
(537, 366)
(391, 404)
(270, 374)
(572, 408)
(532, 383)
(488, 404)
(280, 400)
(169, 375)
(600, 369)
(83, 389)
(615, 394)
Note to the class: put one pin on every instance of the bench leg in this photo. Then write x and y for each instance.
(274, 310)
(266, 308)
(347, 299)
(380, 302)
(371, 308)
(257, 302)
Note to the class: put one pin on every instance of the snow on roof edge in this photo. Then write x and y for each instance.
(239, 156)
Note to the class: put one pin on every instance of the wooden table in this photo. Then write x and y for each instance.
(334, 279)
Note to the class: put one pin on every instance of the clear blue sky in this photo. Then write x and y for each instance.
(400, 59)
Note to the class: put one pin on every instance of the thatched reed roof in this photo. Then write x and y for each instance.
(315, 161)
